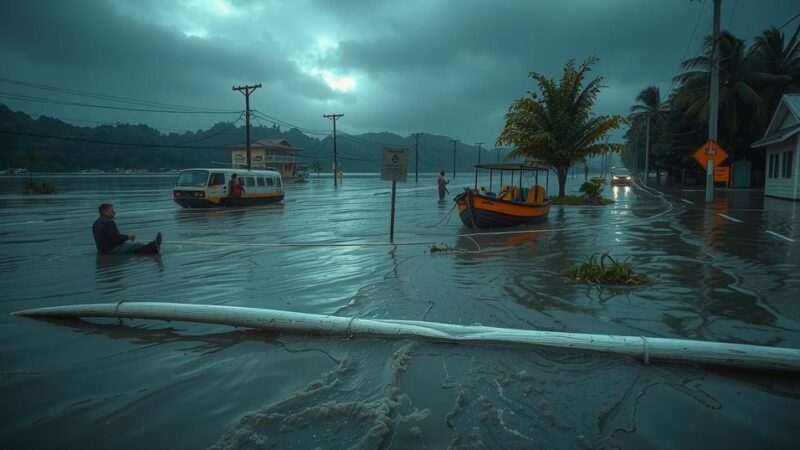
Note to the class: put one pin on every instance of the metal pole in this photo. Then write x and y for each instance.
(333, 117)
(454, 159)
(647, 152)
(391, 227)
(416, 157)
(714, 100)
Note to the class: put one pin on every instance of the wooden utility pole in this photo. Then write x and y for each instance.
(416, 156)
(333, 117)
(247, 90)
(714, 106)
(479, 151)
(454, 157)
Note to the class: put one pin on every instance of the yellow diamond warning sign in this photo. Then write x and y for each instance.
(710, 150)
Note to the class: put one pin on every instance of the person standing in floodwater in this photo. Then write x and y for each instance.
(235, 189)
(442, 182)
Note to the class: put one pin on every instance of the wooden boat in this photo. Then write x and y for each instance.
(511, 206)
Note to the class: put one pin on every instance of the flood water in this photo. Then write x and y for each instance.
(726, 272)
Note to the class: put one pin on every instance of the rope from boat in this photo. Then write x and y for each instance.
(298, 244)
(740, 356)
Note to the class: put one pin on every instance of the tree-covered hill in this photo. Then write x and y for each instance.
(62, 147)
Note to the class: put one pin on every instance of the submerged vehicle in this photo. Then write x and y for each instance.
(513, 205)
(206, 188)
(621, 176)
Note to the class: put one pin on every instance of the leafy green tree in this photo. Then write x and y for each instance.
(557, 128)
(29, 160)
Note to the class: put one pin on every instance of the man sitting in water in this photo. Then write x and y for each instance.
(110, 241)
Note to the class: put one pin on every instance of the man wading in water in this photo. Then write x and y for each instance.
(442, 182)
(235, 189)
(109, 241)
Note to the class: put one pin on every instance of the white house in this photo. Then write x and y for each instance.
(782, 145)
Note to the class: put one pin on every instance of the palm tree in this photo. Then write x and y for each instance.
(558, 128)
(776, 64)
(740, 105)
(649, 108)
(316, 166)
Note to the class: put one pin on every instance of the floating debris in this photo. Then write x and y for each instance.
(616, 273)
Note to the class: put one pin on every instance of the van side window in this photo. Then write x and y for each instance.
(216, 179)
(260, 181)
(270, 182)
(249, 181)
(278, 182)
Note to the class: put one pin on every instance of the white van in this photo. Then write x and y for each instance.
(206, 188)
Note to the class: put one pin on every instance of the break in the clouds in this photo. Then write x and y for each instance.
(443, 67)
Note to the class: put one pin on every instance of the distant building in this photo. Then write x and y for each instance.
(268, 153)
(783, 150)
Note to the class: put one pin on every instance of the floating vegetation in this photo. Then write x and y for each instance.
(34, 187)
(444, 248)
(614, 273)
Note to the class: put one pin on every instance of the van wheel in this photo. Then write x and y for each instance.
(225, 202)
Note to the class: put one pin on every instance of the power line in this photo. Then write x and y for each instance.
(789, 21)
(97, 141)
(31, 98)
(106, 97)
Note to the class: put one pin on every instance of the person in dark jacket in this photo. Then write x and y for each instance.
(109, 241)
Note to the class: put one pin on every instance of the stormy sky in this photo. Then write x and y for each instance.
(445, 67)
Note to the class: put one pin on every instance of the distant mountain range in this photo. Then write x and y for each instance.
(62, 147)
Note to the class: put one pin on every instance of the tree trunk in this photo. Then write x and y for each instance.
(561, 172)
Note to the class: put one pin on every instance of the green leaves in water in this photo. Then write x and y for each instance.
(605, 270)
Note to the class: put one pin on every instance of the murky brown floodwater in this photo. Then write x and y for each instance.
(147, 384)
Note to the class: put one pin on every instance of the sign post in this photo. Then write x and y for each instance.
(710, 155)
(394, 169)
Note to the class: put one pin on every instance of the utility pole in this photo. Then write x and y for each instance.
(479, 151)
(416, 156)
(714, 107)
(333, 117)
(454, 157)
(247, 90)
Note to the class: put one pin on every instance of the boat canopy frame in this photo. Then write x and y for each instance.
(511, 167)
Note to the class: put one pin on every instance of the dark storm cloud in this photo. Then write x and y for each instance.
(445, 67)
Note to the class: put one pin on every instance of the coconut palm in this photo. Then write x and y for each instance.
(740, 105)
(558, 127)
(649, 109)
(776, 65)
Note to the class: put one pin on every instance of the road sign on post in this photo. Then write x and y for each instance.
(394, 169)
(710, 150)
(395, 164)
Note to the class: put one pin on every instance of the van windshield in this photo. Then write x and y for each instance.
(195, 178)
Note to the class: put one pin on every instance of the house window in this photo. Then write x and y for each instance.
(786, 167)
(216, 179)
(772, 170)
